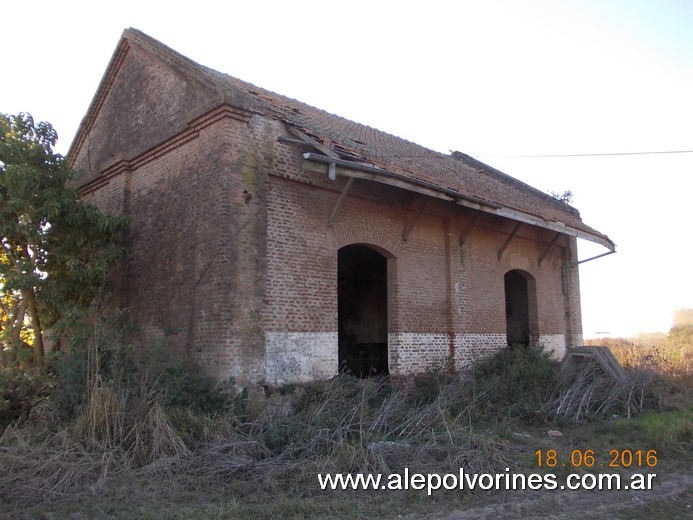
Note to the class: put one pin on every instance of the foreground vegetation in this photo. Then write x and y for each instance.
(116, 430)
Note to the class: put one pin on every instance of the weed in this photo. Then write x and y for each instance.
(514, 383)
(669, 433)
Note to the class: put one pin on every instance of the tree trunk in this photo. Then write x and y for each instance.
(17, 324)
(30, 297)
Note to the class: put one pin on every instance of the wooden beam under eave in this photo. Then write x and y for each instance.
(408, 229)
(546, 251)
(508, 240)
(340, 201)
(468, 229)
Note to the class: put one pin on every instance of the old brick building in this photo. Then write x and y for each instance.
(274, 242)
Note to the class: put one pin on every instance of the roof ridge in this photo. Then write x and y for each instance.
(170, 56)
(509, 179)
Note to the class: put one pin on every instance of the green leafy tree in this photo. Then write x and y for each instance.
(56, 248)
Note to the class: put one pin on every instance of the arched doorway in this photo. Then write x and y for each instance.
(362, 309)
(520, 307)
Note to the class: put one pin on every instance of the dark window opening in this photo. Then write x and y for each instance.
(362, 309)
(517, 310)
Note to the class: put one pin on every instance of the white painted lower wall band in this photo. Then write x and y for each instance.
(293, 357)
(415, 352)
(554, 344)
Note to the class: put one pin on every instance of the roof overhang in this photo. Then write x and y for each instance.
(356, 170)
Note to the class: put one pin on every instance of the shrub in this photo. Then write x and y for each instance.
(428, 386)
(515, 383)
(20, 392)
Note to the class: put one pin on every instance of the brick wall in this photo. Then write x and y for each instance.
(446, 299)
(233, 265)
(573, 309)
(192, 280)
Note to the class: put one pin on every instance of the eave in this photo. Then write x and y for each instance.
(356, 170)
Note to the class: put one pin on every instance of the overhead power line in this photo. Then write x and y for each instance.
(581, 154)
(428, 156)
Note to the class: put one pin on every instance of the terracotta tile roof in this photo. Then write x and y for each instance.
(458, 172)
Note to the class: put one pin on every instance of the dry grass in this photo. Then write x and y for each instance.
(268, 448)
(43, 465)
(348, 425)
(590, 393)
(342, 425)
(54, 469)
(138, 429)
(659, 371)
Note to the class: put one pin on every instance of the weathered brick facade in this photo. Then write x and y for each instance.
(236, 233)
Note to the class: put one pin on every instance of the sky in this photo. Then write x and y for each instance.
(499, 80)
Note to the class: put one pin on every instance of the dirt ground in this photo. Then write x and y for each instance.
(670, 498)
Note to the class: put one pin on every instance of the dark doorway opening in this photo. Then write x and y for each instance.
(517, 309)
(362, 309)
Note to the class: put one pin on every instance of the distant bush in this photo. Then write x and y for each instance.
(670, 355)
(659, 377)
(659, 372)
